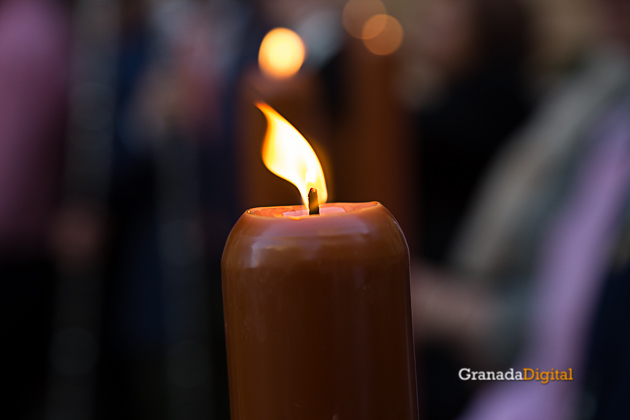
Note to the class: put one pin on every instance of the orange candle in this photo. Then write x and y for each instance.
(317, 306)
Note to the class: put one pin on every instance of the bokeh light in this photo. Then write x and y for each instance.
(357, 12)
(282, 53)
(382, 34)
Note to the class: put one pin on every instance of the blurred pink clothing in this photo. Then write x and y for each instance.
(34, 68)
(571, 270)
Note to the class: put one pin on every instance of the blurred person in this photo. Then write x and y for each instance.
(570, 264)
(538, 245)
(169, 122)
(168, 210)
(606, 382)
(477, 51)
(34, 71)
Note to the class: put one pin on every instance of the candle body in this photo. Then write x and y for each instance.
(318, 316)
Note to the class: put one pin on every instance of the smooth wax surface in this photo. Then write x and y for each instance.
(318, 316)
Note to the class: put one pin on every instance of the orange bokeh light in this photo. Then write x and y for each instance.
(281, 54)
(382, 34)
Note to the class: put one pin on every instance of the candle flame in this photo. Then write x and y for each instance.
(287, 154)
(281, 53)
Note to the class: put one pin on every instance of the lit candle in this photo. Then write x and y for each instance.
(317, 306)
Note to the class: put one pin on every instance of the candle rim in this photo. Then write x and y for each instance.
(279, 212)
(369, 223)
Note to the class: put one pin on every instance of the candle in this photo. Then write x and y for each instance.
(317, 306)
(374, 150)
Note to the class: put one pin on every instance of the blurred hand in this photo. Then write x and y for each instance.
(451, 311)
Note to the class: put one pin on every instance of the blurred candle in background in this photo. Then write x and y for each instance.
(373, 155)
(317, 307)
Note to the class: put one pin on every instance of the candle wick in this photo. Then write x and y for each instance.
(313, 202)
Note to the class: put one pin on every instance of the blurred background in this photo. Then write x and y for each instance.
(497, 132)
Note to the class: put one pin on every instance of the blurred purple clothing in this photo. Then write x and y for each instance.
(571, 269)
(34, 66)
